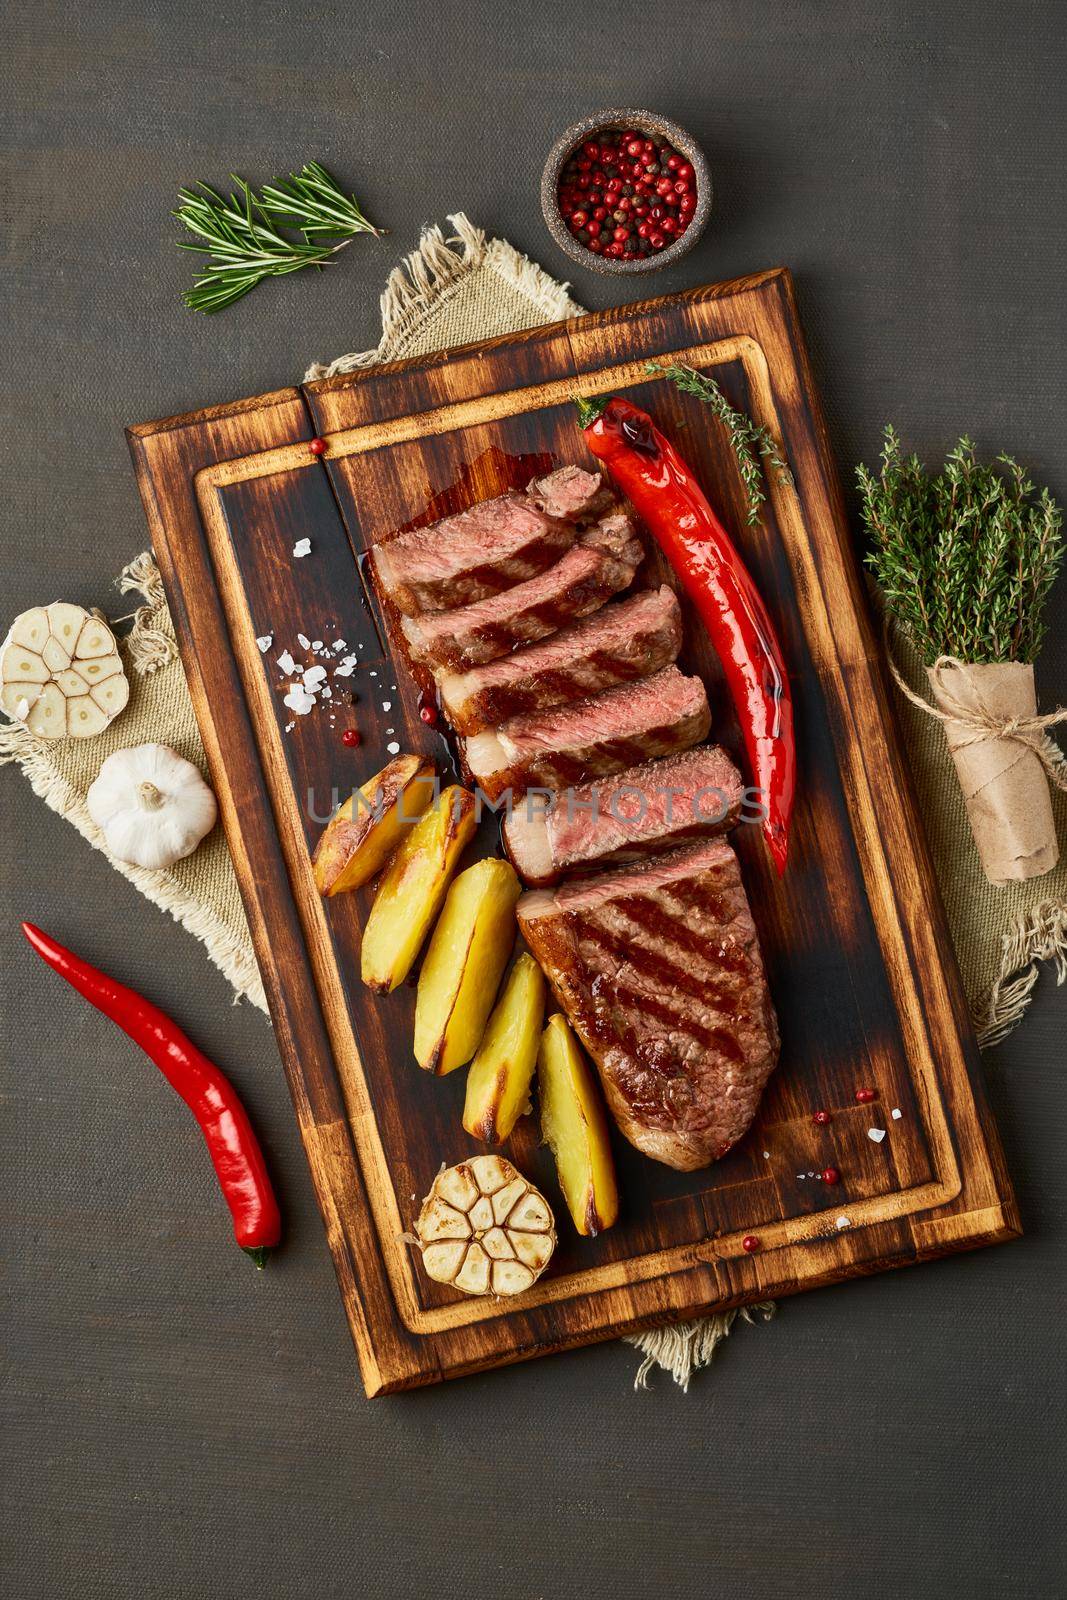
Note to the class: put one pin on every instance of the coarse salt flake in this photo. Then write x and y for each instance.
(339, 645)
(393, 748)
(387, 705)
(896, 1113)
(766, 1155)
(316, 644)
(303, 641)
(302, 547)
(876, 1135)
(286, 662)
(345, 667)
(265, 641)
(314, 676)
(299, 700)
(844, 1222)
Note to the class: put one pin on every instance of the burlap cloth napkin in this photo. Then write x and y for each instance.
(450, 292)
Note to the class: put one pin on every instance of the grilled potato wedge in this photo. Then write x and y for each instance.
(498, 1084)
(461, 974)
(575, 1126)
(364, 832)
(413, 887)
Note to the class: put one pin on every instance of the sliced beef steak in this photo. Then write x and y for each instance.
(615, 532)
(471, 556)
(644, 810)
(630, 639)
(577, 585)
(570, 493)
(659, 970)
(606, 733)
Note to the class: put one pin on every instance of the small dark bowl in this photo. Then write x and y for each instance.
(656, 127)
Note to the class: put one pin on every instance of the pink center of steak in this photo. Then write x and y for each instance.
(615, 532)
(624, 641)
(570, 492)
(606, 733)
(662, 701)
(472, 555)
(659, 800)
(574, 587)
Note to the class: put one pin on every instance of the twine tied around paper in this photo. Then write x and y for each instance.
(979, 723)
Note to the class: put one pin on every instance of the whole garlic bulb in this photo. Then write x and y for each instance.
(151, 805)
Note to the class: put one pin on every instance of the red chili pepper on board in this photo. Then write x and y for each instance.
(231, 1141)
(667, 497)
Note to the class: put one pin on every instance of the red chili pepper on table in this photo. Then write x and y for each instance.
(231, 1141)
(669, 500)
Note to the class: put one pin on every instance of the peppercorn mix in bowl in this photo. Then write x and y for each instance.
(626, 191)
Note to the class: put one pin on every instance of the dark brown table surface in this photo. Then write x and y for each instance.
(174, 1424)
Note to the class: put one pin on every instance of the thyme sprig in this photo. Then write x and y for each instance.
(751, 444)
(247, 236)
(966, 558)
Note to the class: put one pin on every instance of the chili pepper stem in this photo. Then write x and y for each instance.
(260, 1255)
(589, 410)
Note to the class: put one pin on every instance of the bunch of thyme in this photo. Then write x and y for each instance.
(750, 442)
(242, 233)
(965, 559)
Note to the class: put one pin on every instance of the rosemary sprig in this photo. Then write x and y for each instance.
(242, 233)
(750, 442)
(966, 558)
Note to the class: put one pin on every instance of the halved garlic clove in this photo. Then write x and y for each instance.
(484, 1229)
(60, 672)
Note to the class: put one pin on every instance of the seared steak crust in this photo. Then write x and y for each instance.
(605, 733)
(659, 970)
(630, 639)
(642, 811)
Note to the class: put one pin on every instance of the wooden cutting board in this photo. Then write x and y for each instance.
(857, 950)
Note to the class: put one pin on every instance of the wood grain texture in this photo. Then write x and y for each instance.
(855, 942)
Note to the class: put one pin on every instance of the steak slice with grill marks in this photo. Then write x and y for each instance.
(577, 585)
(641, 811)
(621, 642)
(606, 733)
(659, 970)
(471, 556)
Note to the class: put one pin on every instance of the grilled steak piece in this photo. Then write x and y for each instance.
(621, 642)
(659, 970)
(606, 733)
(570, 493)
(616, 533)
(577, 585)
(642, 811)
(470, 556)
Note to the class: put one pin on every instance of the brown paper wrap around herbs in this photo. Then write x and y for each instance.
(1004, 759)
